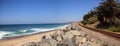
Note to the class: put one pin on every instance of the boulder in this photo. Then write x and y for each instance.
(62, 44)
(47, 37)
(66, 30)
(71, 34)
(71, 27)
(68, 41)
(48, 42)
(88, 43)
(83, 34)
(80, 40)
(57, 36)
(77, 28)
(75, 32)
(92, 40)
(68, 35)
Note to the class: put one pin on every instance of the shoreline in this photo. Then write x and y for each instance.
(73, 34)
(58, 28)
(9, 38)
(36, 37)
(8, 34)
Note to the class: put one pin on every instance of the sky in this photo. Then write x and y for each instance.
(44, 11)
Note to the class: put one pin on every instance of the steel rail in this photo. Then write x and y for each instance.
(117, 36)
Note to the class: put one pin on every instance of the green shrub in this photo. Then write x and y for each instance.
(84, 22)
(114, 29)
(92, 20)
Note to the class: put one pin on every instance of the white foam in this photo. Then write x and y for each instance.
(38, 29)
(2, 33)
(49, 29)
(35, 30)
(23, 31)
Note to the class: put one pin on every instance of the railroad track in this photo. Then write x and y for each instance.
(117, 36)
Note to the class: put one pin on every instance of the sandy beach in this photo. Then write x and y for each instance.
(72, 35)
(17, 41)
(59, 37)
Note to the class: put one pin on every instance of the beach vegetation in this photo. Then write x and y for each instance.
(107, 14)
(88, 18)
(114, 29)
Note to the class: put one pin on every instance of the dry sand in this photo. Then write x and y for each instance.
(18, 41)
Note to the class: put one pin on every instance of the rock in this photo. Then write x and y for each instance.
(44, 37)
(54, 35)
(68, 35)
(62, 44)
(83, 34)
(74, 27)
(88, 43)
(77, 28)
(80, 40)
(71, 34)
(47, 37)
(105, 44)
(85, 44)
(65, 30)
(57, 36)
(58, 32)
(51, 42)
(92, 40)
(70, 27)
(75, 32)
(68, 41)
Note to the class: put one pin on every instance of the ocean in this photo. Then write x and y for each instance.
(13, 30)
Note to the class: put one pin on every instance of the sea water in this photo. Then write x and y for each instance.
(13, 30)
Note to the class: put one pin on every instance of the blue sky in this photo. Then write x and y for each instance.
(44, 11)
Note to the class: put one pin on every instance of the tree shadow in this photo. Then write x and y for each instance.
(102, 26)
